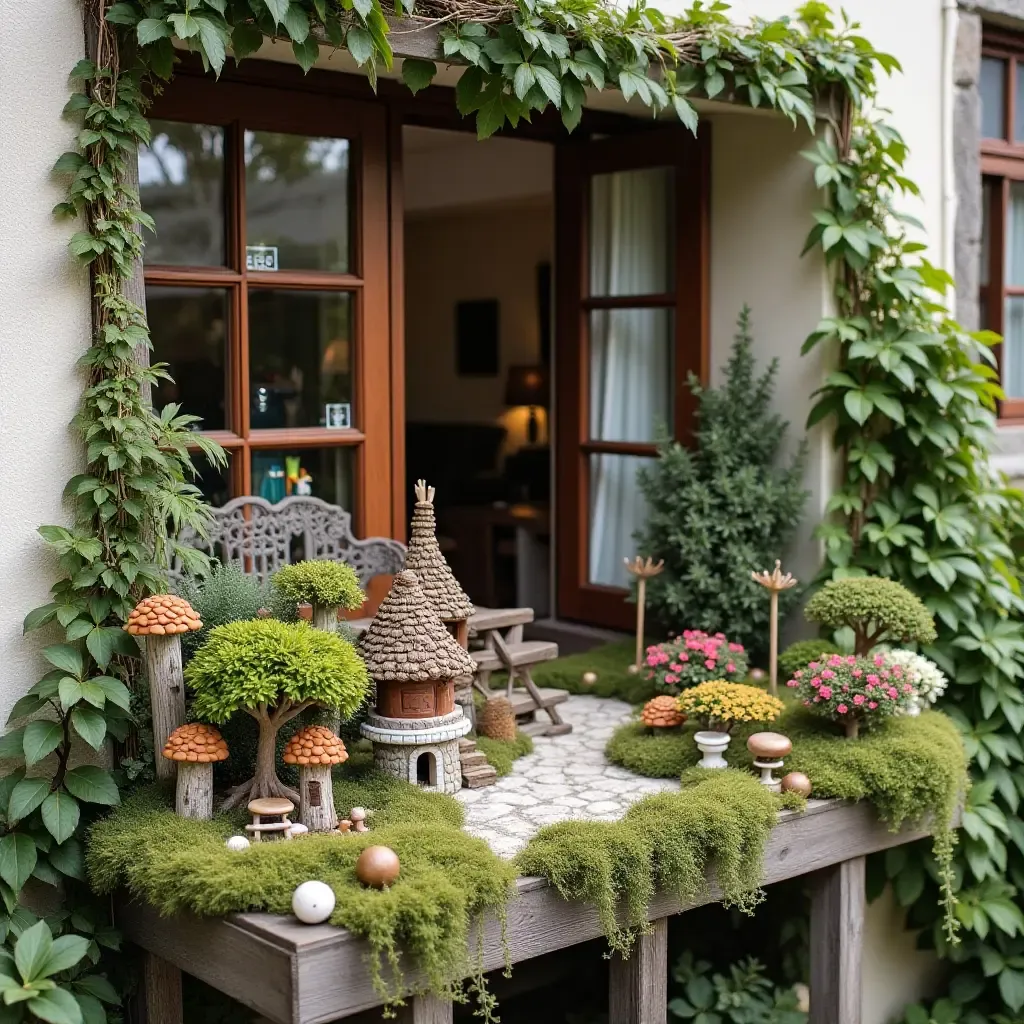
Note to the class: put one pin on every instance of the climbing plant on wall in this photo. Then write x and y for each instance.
(910, 403)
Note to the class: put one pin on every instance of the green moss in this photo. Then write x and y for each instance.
(502, 754)
(610, 662)
(715, 828)
(656, 753)
(447, 876)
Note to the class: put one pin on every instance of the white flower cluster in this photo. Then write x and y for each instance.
(928, 680)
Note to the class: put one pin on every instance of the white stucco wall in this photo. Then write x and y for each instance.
(44, 317)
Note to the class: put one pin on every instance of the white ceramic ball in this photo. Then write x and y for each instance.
(589, 678)
(237, 843)
(298, 829)
(313, 902)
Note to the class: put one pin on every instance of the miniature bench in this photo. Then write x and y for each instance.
(259, 537)
(308, 974)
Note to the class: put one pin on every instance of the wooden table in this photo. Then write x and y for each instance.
(482, 624)
(300, 974)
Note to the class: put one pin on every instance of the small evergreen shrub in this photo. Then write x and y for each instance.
(875, 608)
(725, 505)
(721, 705)
(694, 658)
(225, 594)
(796, 656)
(328, 584)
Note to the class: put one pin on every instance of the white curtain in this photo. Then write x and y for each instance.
(631, 375)
(1013, 326)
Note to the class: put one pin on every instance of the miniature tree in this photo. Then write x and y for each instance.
(326, 586)
(273, 671)
(875, 608)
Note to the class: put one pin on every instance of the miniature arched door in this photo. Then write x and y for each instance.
(426, 769)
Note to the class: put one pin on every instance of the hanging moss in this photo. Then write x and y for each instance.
(715, 828)
(447, 876)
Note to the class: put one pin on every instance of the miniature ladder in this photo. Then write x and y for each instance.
(477, 771)
(557, 726)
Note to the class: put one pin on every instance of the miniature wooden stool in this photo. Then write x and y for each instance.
(270, 807)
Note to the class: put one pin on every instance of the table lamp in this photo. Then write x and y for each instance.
(528, 385)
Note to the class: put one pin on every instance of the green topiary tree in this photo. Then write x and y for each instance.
(797, 655)
(273, 671)
(875, 608)
(327, 586)
(723, 506)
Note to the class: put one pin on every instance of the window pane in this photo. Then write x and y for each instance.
(1015, 235)
(631, 373)
(632, 232)
(993, 98)
(300, 359)
(214, 482)
(181, 184)
(322, 472)
(297, 202)
(1013, 348)
(189, 328)
(1018, 110)
(986, 229)
(617, 510)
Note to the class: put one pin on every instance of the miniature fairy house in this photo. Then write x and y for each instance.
(194, 748)
(413, 660)
(314, 750)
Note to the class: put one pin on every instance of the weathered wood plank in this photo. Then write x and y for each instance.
(638, 985)
(837, 939)
(428, 1010)
(161, 991)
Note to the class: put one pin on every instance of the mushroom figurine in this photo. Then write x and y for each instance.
(662, 713)
(194, 748)
(314, 750)
(358, 818)
(769, 748)
(160, 619)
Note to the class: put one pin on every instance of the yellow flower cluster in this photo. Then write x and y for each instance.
(718, 703)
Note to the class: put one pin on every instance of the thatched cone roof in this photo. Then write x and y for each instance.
(407, 642)
(425, 559)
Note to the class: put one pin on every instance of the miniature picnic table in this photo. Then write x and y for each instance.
(310, 974)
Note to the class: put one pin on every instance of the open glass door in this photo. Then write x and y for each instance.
(631, 273)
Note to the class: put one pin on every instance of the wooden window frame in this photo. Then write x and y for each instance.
(237, 106)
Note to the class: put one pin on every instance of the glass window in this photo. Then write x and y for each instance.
(992, 85)
(986, 230)
(1012, 359)
(297, 202)
(631, 375)
(300, 358)
(632, 235)
(618, 509)
(322, 472)
(213, 481)
(181, 185)
(189, 329)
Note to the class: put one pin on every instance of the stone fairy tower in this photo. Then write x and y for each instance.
(413, 660)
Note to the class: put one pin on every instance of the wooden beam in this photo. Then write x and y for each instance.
(429, 1010)
(638, 984)
(837, 939)
(161, 985)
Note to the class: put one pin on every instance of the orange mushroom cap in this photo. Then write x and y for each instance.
(315, 744)
(197, 743)
(162, 615)
(662, 713)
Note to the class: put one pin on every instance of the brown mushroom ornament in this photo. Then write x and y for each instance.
(314, 750)
(769, 748)
(662, 713)
(194, 748)
(160, 619)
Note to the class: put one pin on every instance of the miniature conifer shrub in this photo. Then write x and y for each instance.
(723, 504)
(876, 609)
(273, 671)
(225, 594)
(796, 656)
(693, 658)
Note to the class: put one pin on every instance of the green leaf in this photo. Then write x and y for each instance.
(858, 405)
(360, 44)
(213, 39)
(418, 74)
(123, 14)
(524, 80)
(99, 987)
(66, 658)
(66, 952)
(685, 113)
(26, 797)
(549, 83)
(71, 692)
(67, 857)
(17, 859)
(1011, 988)
(12, 744)
(113, 690)
(92, 784)
(56, 1006)
(90, 725)
(48, 612)
(306, 53)
(278, 9)
(296, 23)
(152, 29)
(246, 39)
(41, 739)
(92, 1009)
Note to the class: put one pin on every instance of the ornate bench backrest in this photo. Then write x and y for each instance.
(260, 537)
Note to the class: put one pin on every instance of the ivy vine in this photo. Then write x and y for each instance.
(911, 404)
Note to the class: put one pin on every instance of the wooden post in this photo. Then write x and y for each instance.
(638, 985)
(837, 939)
(427, 1010)
(325, 617)
(161, 991)
(643, 571)
(167, 695)
(773, 646)
(194, 796)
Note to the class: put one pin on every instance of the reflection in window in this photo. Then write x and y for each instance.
(321, 472)
(300, 358)
(1012, 360)
(618, 509)
(189, 328)
(181, 185)
(213, 481)
(297, 202)
(992, 85)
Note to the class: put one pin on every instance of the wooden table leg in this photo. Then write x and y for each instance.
(837, 940)
(427, 1010)
(161, 991)
(638, 985)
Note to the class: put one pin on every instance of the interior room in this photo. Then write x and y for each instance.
(479, 243)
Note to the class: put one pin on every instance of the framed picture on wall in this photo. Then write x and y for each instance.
(477, 352)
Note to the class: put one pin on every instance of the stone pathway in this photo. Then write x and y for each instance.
(566, 777)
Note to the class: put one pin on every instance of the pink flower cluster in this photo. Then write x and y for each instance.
(844, 687)
(695, 657)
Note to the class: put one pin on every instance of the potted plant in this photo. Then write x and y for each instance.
(325, 586)
(718, 705)
(692, 658)
(273, 671)
(852, 690)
